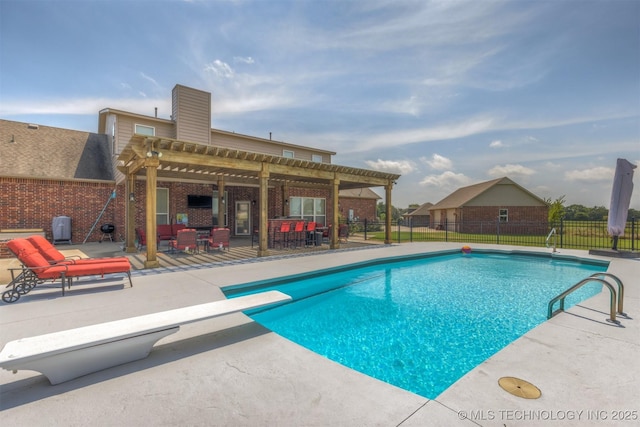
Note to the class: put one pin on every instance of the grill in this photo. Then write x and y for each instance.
(107, 231)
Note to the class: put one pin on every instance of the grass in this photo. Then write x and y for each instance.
(575, 236)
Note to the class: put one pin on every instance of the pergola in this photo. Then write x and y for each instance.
(158, 157)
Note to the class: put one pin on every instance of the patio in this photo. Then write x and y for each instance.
(232, 371)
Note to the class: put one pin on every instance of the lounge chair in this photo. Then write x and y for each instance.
(36, 269)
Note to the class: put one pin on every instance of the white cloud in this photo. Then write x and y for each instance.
(411, 106)
(443, 132)
(438, 162)
(599, 173)
(401, 167)
(220, 69)
(496, 144)
(89, 106)
(511, 170)
(148, 78)
(446, 181)
(245, 60)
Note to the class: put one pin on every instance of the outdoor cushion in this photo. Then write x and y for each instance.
(53, 255)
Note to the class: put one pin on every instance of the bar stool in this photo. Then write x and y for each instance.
(282, 235)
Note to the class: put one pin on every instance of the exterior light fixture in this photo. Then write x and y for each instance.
(132, 197)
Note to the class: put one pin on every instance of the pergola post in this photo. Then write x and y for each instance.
(263, 228)
(221, 202)
(130, 213)
(387, 228)
(335, 221)
(151, 166)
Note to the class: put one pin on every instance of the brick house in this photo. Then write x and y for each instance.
(420, 217)
(358, 204)
(483, 207)
(207, 176)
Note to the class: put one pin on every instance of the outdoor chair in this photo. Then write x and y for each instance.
(298, 234)
(282, 235)
(326, 234)
(35, 269)
(343, 233)
(54, 256)
(141, 238)
(219, 238)
(311, 234)
(186, 240)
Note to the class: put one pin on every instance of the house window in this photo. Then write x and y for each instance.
(288, 154)
(316, 158)
(214, 208)
(503, 215)
(162, 206)
(145, 130)
(309, 209)
(113, 137)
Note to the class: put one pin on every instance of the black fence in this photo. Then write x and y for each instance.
(565, 234)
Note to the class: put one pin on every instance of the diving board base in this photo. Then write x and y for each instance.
(62, 367)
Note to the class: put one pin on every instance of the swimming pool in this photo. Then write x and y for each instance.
(422, 323)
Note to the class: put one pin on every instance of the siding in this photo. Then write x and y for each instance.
(192, 114)
(125, 127)
(245, 143)
(505, 194)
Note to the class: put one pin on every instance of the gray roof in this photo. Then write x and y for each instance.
(423, 209)
(464, 195)
(37, 151)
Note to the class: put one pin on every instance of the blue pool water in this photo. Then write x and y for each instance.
(422, 324)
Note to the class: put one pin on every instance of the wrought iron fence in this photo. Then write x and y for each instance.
(565, 234)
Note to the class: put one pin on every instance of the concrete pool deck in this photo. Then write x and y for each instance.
(232, 372)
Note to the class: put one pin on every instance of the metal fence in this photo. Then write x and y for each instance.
(565, 234)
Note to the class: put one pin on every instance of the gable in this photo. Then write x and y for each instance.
(497, 192)
(507, 194)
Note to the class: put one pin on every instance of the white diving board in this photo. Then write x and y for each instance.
(65, 355)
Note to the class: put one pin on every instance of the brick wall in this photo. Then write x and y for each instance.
(362, 208)
(33, 203)
(522, 219)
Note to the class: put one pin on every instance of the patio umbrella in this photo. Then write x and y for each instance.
(620, 199)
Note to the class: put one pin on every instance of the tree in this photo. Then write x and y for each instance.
(556, 209)
(381, 211)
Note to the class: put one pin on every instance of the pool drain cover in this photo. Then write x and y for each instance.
(520, 388)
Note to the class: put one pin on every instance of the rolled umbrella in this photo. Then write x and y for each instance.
(620, 200)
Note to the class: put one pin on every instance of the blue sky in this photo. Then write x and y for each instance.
(446, 93)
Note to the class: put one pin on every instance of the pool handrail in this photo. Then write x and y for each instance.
(620, 288)
(563, 295)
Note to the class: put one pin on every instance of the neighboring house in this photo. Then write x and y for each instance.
(487, 206)
(358, 204)
(419, 217)
(139, 171)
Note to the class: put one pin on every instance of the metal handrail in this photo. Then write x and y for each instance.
(555, 239)
(620, 288)
(563, 295)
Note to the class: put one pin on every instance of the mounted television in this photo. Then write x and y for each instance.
(199, 202)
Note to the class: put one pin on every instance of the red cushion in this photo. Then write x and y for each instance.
(46, 248)
(76, 270)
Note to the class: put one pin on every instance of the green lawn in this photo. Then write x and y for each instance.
(576, 235)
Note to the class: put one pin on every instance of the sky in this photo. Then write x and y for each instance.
(446, 93)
